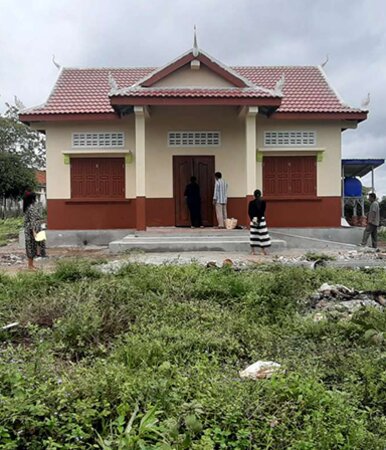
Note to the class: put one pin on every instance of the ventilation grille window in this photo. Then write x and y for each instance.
(98, 140)
(194, 138)
(289, 138)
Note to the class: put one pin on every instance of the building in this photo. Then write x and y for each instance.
(41, 187)
(122, 143)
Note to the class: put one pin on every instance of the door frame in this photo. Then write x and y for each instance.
(174, 159)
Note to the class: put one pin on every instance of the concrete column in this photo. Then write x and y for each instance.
(250, 154)
(250, 141)
(140, 167)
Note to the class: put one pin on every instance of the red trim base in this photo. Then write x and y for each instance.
(141, 212)
(65, 215)
(160, 212)
(320, 212)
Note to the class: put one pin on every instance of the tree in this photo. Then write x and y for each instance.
(382, 207)
(15, 176)
(19, 139)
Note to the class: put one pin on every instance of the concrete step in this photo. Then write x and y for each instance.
(187, 243)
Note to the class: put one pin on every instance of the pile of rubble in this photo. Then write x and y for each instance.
(112, 267)
(11, 260)
(366, 253)
(338, 300)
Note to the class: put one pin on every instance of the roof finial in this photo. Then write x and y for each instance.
(57, 65)
(366, 102)
(279, 86)
(324, 62)
(19, 104)
(195, 46)
(112, 83)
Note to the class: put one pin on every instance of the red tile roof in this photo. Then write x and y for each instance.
(306, 88)
(82, 91)
(195, 92)
(40, 177)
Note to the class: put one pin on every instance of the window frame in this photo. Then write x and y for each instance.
(98, 178)
(290, 179)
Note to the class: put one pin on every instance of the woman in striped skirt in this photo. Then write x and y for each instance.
(259, 236)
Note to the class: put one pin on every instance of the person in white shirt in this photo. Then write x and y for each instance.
(220, 199)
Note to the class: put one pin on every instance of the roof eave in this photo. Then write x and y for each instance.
(62, 117)
(117, 101)
(320, 115)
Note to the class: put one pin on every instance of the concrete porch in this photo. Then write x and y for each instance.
(174, 239)
(170, 239)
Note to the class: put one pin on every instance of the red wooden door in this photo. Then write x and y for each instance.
(202, 167)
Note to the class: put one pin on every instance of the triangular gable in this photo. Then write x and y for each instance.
(215, 66)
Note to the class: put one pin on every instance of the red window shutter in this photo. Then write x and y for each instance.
(289, 176)
(97, 178)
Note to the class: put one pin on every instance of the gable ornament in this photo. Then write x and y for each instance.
(279, 86)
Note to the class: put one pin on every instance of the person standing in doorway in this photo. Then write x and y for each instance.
(193, 200)
(373, 222)
(220, 199)
(259, 236)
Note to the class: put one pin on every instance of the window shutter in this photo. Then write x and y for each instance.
(289, 176)
(97, 178)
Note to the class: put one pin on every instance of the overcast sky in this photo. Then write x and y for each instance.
(118, 33)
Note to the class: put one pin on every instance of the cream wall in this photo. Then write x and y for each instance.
(328, 138)
(185, 76)
(229, 156)
(59, 141)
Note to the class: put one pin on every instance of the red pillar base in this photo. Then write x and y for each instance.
(248, 199)
(140, 206)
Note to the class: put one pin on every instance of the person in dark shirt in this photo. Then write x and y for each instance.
(259, 236)
(193, 200)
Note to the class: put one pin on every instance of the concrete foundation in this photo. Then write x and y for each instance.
(319, 238)
(189, 243)
(207, 239)
(80, 238)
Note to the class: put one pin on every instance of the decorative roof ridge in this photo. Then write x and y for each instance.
(207, 88)
(159, 69)
(52, 92)
(277, 67)
(135, 88)
(227, 68)
(109, 68)
(334, 91)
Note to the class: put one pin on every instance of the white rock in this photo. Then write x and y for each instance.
(260, 370)
(325, 288)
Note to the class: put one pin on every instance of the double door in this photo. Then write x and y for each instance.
(202, 167)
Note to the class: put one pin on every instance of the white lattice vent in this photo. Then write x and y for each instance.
(194, 138)
(98, 140)
(289, 138)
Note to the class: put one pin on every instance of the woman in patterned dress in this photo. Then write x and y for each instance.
(31, 227)
(259, 236)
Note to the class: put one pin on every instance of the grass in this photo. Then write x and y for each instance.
(9, 229)
(149, 359)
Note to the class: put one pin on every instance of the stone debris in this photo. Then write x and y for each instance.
(343, 300)
(11, 260)
(260, 370)
(112, 267)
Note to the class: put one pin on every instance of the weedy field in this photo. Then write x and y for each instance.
(149, 359)
(9, 229)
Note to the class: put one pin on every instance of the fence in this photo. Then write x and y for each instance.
(10, 208)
